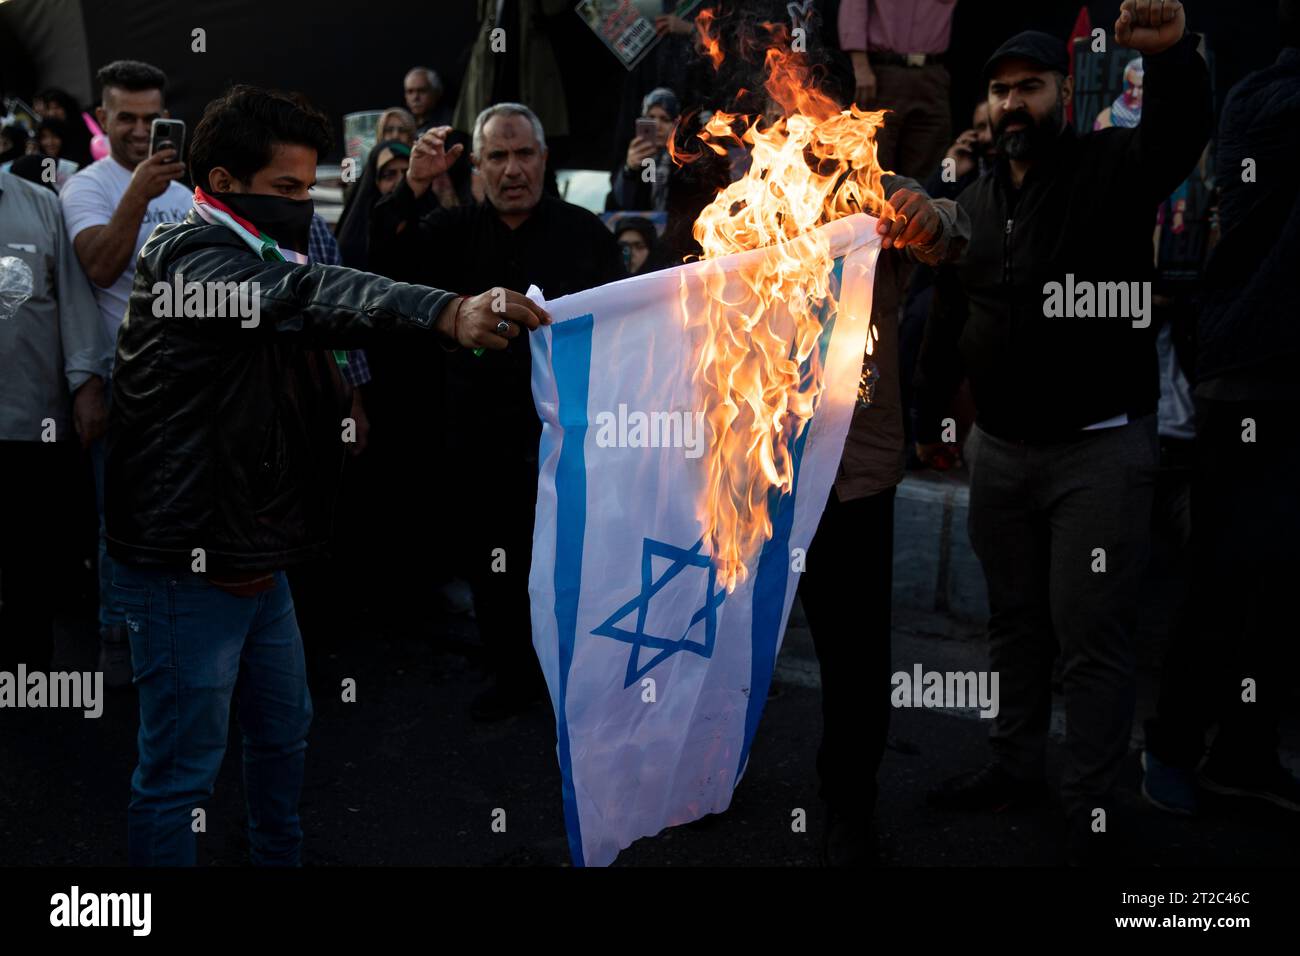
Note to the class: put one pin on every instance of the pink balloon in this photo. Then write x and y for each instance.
(98, 141)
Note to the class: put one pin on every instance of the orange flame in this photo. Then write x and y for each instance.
(811, 163)
(712, 47)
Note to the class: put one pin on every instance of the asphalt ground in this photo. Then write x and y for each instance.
(404, 776)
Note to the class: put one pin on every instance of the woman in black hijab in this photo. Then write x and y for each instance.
(385, 167)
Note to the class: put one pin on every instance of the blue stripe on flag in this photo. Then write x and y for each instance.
(571, 360)
(773, 574)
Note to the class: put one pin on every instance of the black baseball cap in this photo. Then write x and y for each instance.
(1035, 46)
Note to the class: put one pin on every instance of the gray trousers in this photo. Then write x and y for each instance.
(1038, 515)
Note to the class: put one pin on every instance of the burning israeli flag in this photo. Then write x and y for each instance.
(663, 573)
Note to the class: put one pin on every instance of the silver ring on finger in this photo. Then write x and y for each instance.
(503, 327)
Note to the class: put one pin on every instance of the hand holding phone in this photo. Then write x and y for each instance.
(152, 176)
(646, 128)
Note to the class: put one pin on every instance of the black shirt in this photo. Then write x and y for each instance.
(560, 247)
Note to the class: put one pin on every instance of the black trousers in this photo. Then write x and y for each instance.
(1043, 518)
(1245, 521)
(495, 546)
(38, 509)
(846, 590)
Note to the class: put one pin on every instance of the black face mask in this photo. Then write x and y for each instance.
(287, 221)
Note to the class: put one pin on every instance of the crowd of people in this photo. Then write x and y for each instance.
(393, 351)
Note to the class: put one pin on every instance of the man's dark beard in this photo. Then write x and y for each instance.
(1032, 141)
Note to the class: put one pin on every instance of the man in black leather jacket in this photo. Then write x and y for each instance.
(226, 442)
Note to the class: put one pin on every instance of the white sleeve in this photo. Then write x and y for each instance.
(85, 204)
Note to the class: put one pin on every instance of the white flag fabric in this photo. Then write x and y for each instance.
(657, 676)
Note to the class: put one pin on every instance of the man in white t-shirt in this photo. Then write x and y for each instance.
(110, 208)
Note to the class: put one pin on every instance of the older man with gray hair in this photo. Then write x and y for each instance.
(422, 89)
(516, 237)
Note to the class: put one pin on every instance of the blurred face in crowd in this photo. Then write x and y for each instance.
(290, 174)
(1027, 107)
(421, 97)
(396, 128)
(634, 250)
(126, 117)
(391, 174)
(983, 129)
(663, 124)
(513, 165)
(49, 109)
(51, 143)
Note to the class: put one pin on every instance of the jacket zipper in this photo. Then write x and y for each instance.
(1006, 253)
(1006, 284)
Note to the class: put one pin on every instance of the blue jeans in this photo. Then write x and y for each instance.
(193, 648)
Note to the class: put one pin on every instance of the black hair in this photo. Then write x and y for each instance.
(32, 169)
(65, 99)
(1288, 22)
(17, 136)
(640, 225)
(132, 76)
(75, 135)
(56, 126)
(239, 130)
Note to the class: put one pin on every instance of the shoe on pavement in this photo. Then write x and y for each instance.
(849, 840)
(1272, 782)
(1168, 788)
(989, 789)
(115, 656)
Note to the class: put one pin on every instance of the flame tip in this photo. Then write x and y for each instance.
(812, 161)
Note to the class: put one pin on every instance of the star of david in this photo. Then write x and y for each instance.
(679, 560)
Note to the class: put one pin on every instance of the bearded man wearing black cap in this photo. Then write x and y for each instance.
(1049, 316)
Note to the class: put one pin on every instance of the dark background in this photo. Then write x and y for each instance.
(353, 56)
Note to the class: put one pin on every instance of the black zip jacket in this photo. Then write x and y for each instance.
(230, 438)
(1086, 210)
